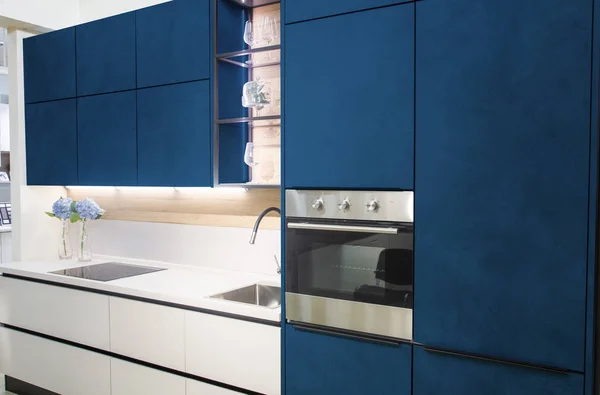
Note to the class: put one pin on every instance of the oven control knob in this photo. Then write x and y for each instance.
(373, 206)
(345, 205)
(318, 204)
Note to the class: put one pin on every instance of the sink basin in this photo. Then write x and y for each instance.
(256, 294)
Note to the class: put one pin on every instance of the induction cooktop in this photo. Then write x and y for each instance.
(107, 271)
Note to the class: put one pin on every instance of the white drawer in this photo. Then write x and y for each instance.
(236, 352)
(54, 366)
(194, 387)
(69, 314)
(132, 379)
(147, 332)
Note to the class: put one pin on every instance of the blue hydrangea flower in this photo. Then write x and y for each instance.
(88, 209)
(62, 208)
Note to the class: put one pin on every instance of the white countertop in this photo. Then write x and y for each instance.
(185, 285)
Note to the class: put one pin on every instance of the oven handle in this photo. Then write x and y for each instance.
(343, 228)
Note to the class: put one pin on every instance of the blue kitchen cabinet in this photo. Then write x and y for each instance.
(51, 138)
(49, 66)
(320, 364)
(501, 178)
(436, 373)
(349, 101)
(173, 43)
(106, 55)
(302, 10)
(174, 135)
(107, 139)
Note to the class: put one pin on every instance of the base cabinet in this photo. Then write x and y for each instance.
(132, 379)
(193, 387)
(450, 374)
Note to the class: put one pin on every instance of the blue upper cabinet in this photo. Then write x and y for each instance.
(174, 135)
(107, 148)
(302, 10)
(349, 100)
(51, 136)
(49, 66)
(106, 55)
(435, 374)
(501, 183)
(318, 364)
(173, 43)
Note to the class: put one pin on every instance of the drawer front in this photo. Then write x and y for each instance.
(235, 352)
(302, 10)
(147, 332)
(128, 378)
(194, 387)
(54, 366)
(78, 316)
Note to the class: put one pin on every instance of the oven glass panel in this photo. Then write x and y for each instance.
(363, 267)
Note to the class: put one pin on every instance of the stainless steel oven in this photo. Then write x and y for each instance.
(349, 260)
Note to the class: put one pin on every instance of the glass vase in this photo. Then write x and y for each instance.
(84, 250)
(64, 243)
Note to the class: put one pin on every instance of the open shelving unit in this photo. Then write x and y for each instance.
(235, 63)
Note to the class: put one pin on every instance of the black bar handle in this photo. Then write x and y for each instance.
(502, 361)
(333, 332)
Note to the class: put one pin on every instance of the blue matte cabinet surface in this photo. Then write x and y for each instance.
(301, 10)
(49, 66)
(349, 112)
(435, 374)
(501, 183)
(318, 364)
(51, 137)
(106, 55)
(107, 139)
(173, 43)
(174, 135)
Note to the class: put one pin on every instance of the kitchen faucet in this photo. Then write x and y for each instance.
(260, 217)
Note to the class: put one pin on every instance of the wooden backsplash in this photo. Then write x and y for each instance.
(209, 207)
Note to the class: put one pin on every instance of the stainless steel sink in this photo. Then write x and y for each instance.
(256, 294)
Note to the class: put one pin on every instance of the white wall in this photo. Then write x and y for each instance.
(39, 15)
(90, 10)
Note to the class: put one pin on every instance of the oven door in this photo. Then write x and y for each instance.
(351, 275)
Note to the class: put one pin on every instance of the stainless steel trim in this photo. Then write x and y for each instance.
(343, 228)
(376, 319)
(393, 206)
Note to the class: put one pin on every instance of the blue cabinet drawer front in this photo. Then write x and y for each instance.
(301, 10)
(107, 139)
(174, 135)
(51, 136)
(49, 66)
(173, 43)
(349, 101)
(106, 55)
(318, 364)
(502, 160)
(436, 374)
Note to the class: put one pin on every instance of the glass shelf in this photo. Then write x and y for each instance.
(250, 185)
(254, 3)
(248, 119)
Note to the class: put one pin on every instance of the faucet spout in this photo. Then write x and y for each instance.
(259, 219)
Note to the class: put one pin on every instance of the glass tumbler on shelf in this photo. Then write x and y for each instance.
(256, 94)
(249, 157)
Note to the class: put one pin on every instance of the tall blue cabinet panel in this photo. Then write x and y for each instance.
(319, 364)
(435, 374)
(173, 42)
(106, 55)
(301, 10)
(349, 100)
(49, 66)
(174, 135)
(107, 139)
(51, 141)
(501, 179)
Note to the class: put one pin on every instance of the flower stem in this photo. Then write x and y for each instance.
(82, 236)
(64, 229)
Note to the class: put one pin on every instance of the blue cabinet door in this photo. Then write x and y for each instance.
(107, 139)
(452, 374)
(319, 364)
(106, 55)
(301, 10)
(501, 183)
(349, 100)
(49, 66)
(173, 42)
(51, 142)
(174, 135)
